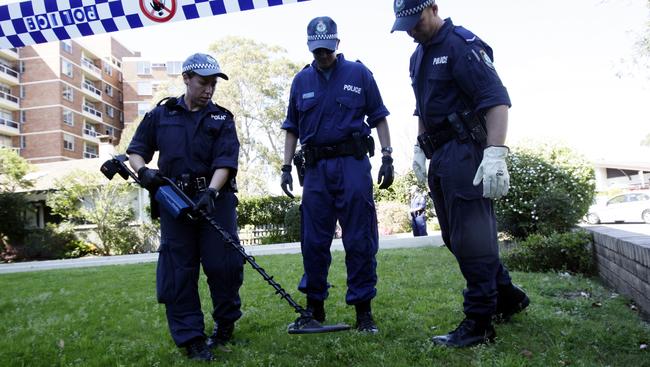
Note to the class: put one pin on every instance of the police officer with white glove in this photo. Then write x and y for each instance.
(463, 117)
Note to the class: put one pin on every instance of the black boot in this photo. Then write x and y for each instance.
(221, 335)
(197, 350)
(365, 322)
(317, 309)
(510, 301)
(471, 331)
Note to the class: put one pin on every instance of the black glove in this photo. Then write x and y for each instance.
(386, 172)
(287, 180)
(208, 201)
(150, 179)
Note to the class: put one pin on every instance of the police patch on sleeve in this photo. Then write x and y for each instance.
(486, 59)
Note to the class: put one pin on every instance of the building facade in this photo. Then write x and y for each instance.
(57, 99)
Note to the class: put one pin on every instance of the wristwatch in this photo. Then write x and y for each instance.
(388, 150)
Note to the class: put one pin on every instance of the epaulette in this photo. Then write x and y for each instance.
(370, 71)
(463, 33)
(227, 111)
(306, 66)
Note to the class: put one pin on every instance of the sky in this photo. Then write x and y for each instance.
(559, 60)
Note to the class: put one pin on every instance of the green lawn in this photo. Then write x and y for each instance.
(108, 316)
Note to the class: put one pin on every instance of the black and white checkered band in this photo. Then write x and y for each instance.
(416, 10)
(191, 67)
(321, 37)
(27, 22)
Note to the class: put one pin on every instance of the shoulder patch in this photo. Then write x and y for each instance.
(463, 33)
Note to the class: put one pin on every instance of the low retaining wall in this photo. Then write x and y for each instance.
(623, 260)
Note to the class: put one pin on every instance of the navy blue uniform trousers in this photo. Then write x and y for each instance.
(339, 188)
(185, 245)
(467, 223)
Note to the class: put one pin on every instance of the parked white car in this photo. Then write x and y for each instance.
(629, 207)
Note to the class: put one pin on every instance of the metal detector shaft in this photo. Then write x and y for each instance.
(117, 166)
(250, 259)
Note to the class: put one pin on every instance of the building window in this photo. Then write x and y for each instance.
(174, 67)
(91, 151)
(144, 68)
(121, 116)
(22, 91)
(109, 90)
(23, 116)
(145, 89)
(110, 111)
(5, 141)
(21, 67)
(68, 142)
(23, 142)
(66, 68)
(68, 93)
(108, 69)
(68, 117)
(143, 108)
(119, 96)
(67, 46)
(110, 131)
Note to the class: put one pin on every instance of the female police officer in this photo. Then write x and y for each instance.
(198, 148)
(456, 86)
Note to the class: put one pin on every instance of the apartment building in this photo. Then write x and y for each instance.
(57, 99)
(143, 80)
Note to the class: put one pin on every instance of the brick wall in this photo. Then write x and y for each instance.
(623, 260)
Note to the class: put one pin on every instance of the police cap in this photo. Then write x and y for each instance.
(322, 33)
(204, 65)
(407, 13)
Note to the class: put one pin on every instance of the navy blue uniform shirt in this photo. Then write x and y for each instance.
(454, 72)
(189, 142)
(323, 112)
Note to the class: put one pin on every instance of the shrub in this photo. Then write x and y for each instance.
(399, 191)
(51, 242)
(292, 224)
(392, 217)
(551, 189)
(264, 210)
(12, 224)
(569, 251)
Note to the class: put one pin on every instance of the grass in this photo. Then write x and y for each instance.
(108, 316)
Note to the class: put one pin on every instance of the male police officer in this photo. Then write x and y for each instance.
(459, 95)
(329, 100)
(417, 211)
(198, 148)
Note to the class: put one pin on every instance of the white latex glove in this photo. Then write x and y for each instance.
(493, 172)
(420, 164)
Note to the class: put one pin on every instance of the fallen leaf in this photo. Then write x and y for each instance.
(643, 346)
(633, 307)
(596, 304)
(61, 343)
(526, 353)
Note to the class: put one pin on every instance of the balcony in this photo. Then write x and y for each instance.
(92, 92)
(9, 53)
(9, 101)
(91, 112)
(89, 155)
(90, 70)
(8, 127)
(8, 75)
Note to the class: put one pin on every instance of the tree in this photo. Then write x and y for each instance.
(13, 169)
(86, 198)
(257, 94)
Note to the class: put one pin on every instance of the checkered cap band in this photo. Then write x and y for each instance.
(415, 10)
(321, 37)
(191, 67)
(24, 23)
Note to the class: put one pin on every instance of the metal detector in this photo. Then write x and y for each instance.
(173, 199)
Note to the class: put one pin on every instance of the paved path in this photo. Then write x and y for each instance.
(405, 240)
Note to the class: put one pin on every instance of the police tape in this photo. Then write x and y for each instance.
(39, 21)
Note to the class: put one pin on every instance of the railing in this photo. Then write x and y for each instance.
(9, 71)
(91, 132)
(8, 123)
(92, 88)
(92, 111)
(90, 65)
(8, 97)
(90, 155)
